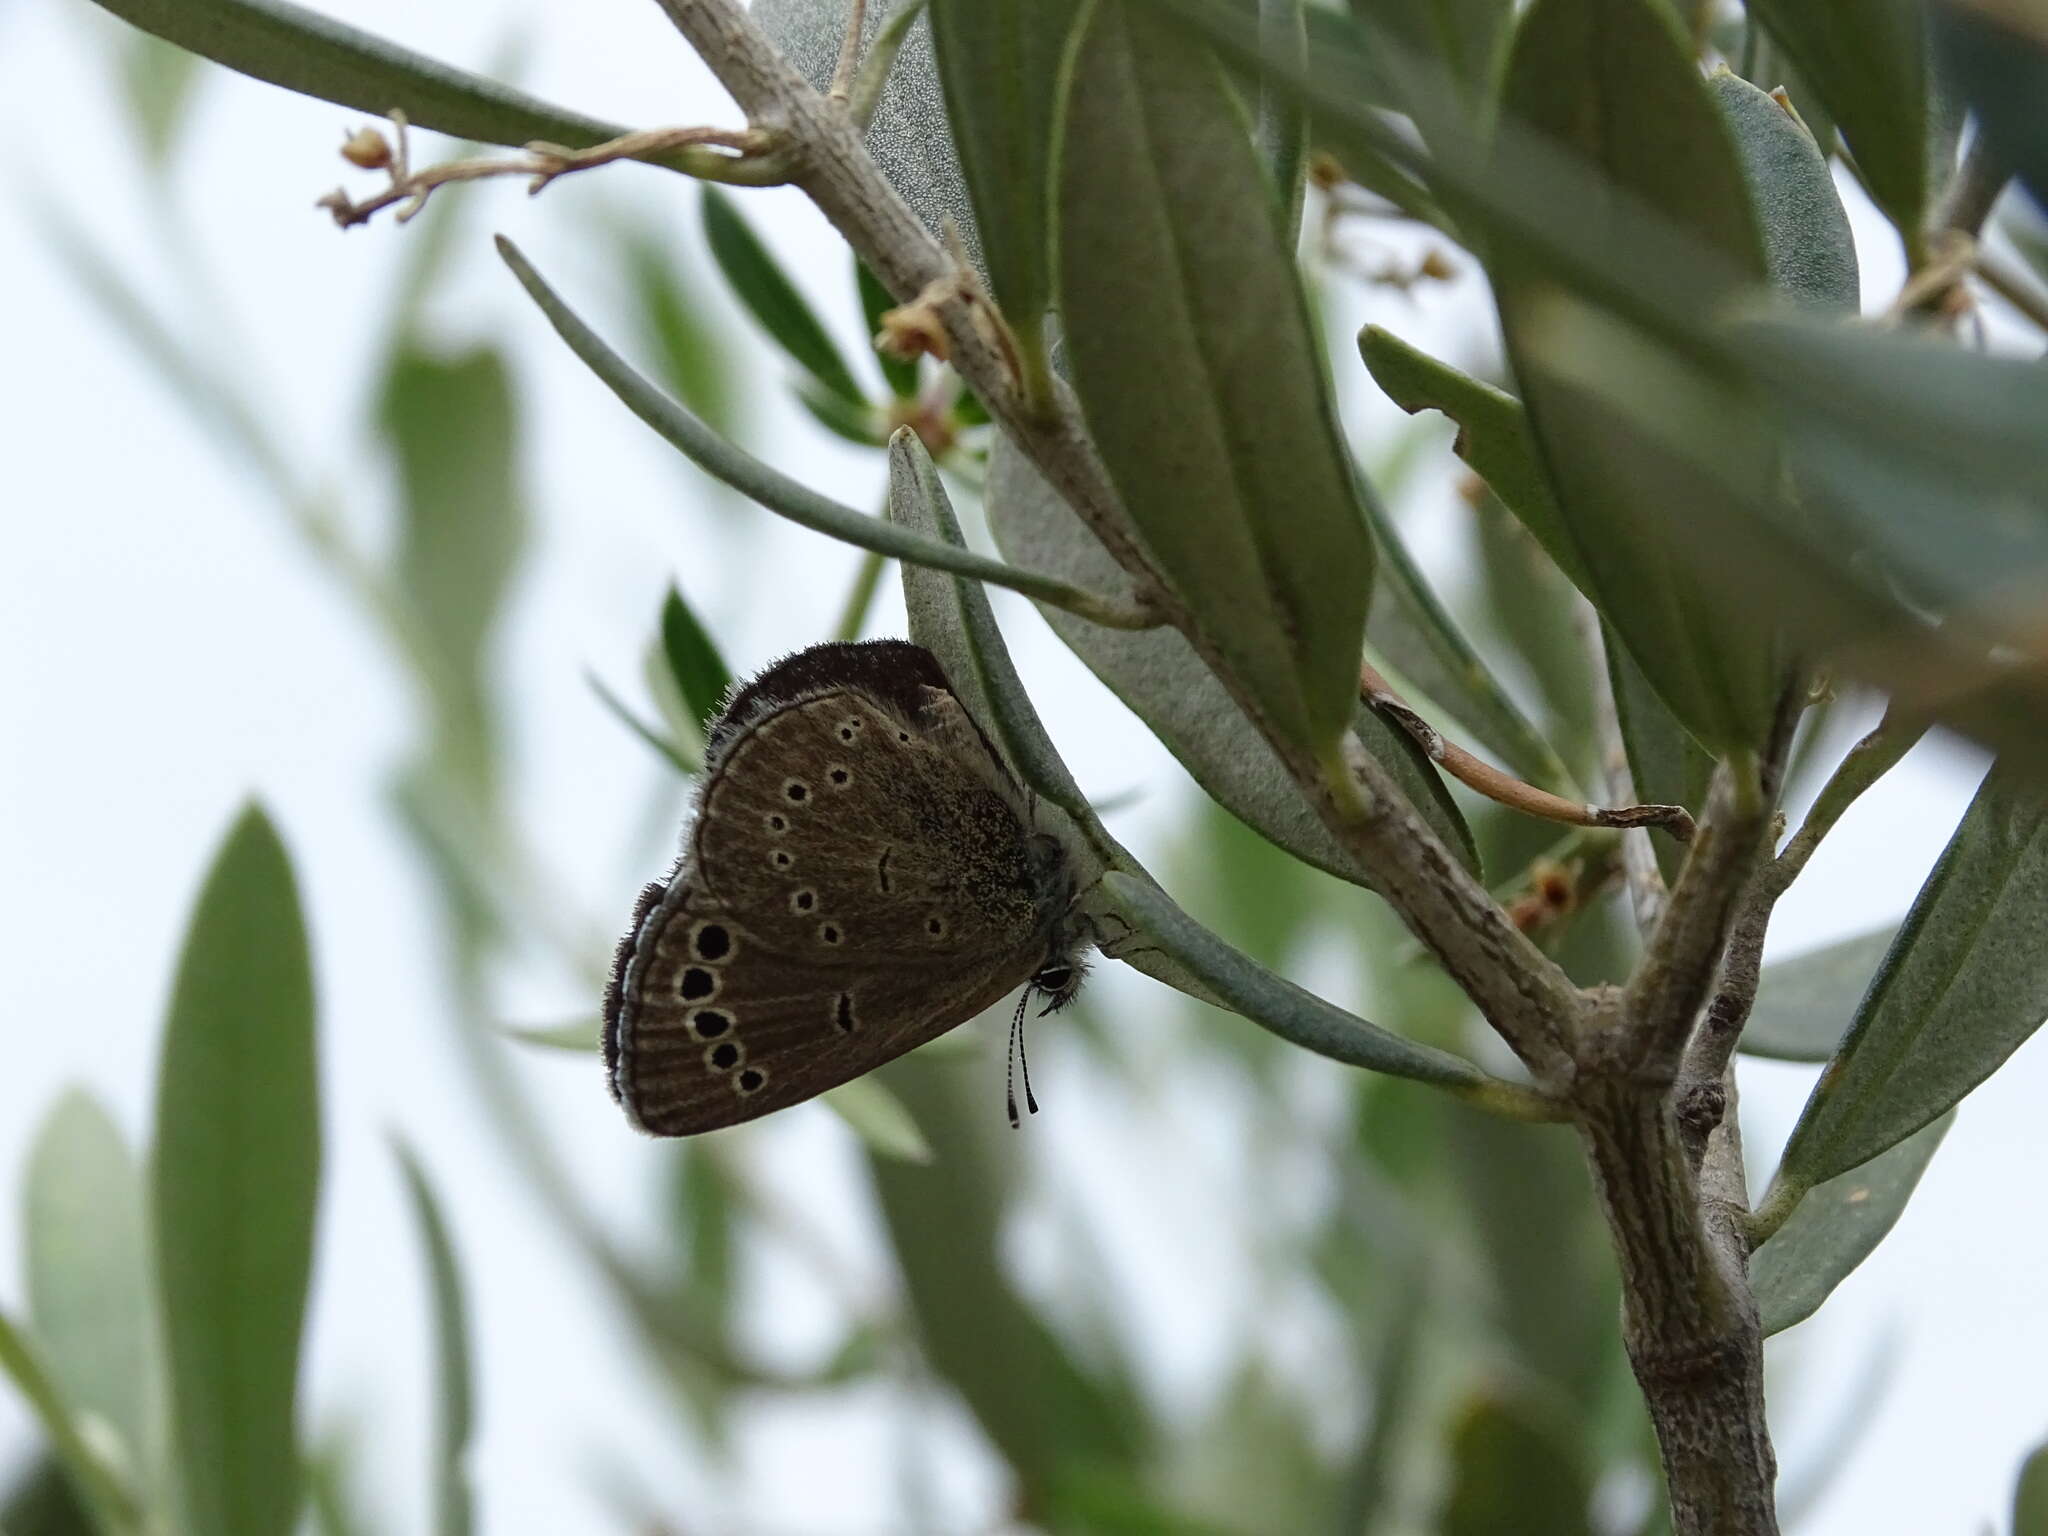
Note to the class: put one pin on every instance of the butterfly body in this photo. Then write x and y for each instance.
(862, 874)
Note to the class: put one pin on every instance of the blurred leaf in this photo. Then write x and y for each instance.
(87, 1251)
(772, 299)
(1614, 80)
(1836, 1227)
(1105, 1504)
(1867, 61)
(691, 357)
(1808, 246)
(1803, 1005)
(1998, 53)
(1199, 374)
(878, 1118)
(333, 1505)
(857, 424)
(876, 301)
(1252, 1464)
(454, 432)
(999, 61)
(1493, 437)
(578, 1035)
(1667, 766)
(158, 80)
(684, 760)
(1048, 1416)
(1410, 627)
(454, 1395)
(699, 671)
(98, 1491)
(2030, 1496)
(1277, 1004)
(1965, 983)
(1159, 676)
(1512, 1471)
(304, 51)
(235, 1180)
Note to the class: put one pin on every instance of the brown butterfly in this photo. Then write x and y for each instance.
(863, 874)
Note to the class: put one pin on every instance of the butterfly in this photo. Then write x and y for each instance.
(862, 874)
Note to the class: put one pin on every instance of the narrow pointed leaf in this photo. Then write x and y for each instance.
(454, 1389)
(1000, 62)
(578, 1035)
(1199, 374)
(235, 1179)
(87, 1251)
(304, 51)
(1998, 54)
(1274, 1003)
(1159, 676)
(1836, 1227)
(772, 299)
(1867, 60)
(1964, 985)
(694, 664)
(160, 82)
(1804, 1005)
(1615, 82)
(694, 357)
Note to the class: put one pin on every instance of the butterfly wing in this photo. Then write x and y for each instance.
(707, 1026)
(860, 879)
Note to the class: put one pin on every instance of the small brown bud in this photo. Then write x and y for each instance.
(912, 330)
(1435, 264)
(366, 149)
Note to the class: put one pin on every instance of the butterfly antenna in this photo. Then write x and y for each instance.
(1012, 1049)
(1024, 1060)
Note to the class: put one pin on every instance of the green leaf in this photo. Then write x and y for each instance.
(2030, 1496)
(1614, 81)
(879, 1119)
(1836, 1227)
(876, 301)
(1157, 673)
(1465, 36)
(1512, 1471)
(698, 670)
(1808, 247)
(1666, 765)
(159, 81)
(303, 51)
(87, 1252)
(1804, 1005)
(454, 1396)
(235, 1181)
(1493, 437)
(1199, 373)
(999, 61)
(1410, 627)
(1964, 985)
(772, 299)
(693, 358)
(453, 427)
(685, 760)
(1274, 1003)
(1999, 56)
(1867, 61)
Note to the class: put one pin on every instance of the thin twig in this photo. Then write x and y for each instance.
(849, 50)
(730, 155)
(1966, 202)
(2011, 287)
(1504, 788)
(874, 70)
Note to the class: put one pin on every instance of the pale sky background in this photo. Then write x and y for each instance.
(166, 649)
